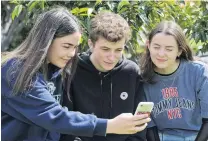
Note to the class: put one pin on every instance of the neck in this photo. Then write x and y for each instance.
(172, 68)
(95, 64)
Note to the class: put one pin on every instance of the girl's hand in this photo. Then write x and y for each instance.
(126, 123)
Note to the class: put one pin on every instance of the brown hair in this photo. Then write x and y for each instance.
(110, 26)
(168, 28)
(30, 56)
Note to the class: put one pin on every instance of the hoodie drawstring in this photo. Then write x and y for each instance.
(111, 93)
(111, 87)
(101, 92)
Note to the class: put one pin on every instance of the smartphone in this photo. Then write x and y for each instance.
(144, 108)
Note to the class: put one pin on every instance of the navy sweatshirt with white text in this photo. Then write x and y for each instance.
(36, 115)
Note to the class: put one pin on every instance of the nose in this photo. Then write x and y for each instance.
(111, 56)
(71, 53)
(161, 52)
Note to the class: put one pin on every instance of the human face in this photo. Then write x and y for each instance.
(105, 54)
(63, 49)
(163, 52)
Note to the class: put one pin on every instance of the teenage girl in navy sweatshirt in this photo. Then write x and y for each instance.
(31, 85)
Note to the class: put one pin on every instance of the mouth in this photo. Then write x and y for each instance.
(66, 60)
(161, 60)
(108, 63)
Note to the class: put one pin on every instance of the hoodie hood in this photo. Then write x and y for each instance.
(85, 62)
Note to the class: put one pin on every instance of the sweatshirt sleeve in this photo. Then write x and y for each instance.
(202, 90)
(38, 107)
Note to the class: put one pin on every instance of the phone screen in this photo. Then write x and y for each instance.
(144, 108)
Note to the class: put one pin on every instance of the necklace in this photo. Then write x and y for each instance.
(165, 85)
(169, 91)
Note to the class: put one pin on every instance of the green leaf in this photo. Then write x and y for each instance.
(29, 3)
(42, 5)
(197, 37)
(17, 10)
(75, 11)
(14, 1)
(89, 12)
(32, 5)
(122, 3)
(203, 37)
(98, 2)
(81, 10)
(14, 13)
(83, 15)
(81, 39)
(125, 9)
(110, 5)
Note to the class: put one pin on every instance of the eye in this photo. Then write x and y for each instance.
(67, 47)
(105, 49)
(70, 47)
(169, 49)
(119, 50)
(156, 47)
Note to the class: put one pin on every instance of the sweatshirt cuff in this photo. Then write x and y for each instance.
(101, 126)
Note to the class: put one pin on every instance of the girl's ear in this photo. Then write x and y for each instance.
(147, 44)
(179, 53)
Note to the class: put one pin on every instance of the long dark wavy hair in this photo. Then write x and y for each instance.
(30, 56)
(168, 28)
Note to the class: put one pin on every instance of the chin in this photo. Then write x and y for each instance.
(108, 68)
(161, 66)
(61, 66)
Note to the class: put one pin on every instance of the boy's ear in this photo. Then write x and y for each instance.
(90, 44)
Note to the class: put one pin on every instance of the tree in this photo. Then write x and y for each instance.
(142, 16)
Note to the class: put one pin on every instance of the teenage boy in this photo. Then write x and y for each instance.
(106, 83)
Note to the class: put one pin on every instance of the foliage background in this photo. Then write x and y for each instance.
(18, 17)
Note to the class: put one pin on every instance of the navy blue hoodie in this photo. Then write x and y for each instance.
(106, 94)
(36, 115)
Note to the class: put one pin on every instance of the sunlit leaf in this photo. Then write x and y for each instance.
(75, 11)
(14, 2)
(81, 10)
(17, 10)
(122, 3)
(42, 4)
(32, 5)
(98, 2)
(89, 12)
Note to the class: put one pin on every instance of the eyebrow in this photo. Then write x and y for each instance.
(69, 44)
(156, 44)
(109, 48)
(104, 47)
(169, 46)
